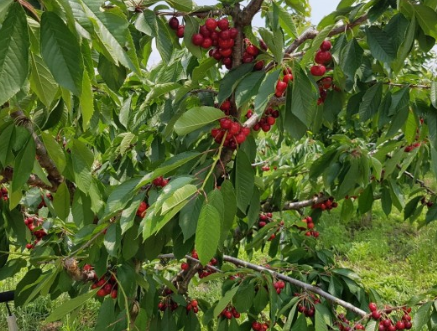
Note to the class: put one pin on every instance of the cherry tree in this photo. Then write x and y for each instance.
(129, 184)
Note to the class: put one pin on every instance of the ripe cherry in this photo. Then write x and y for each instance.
(252, 50)
(225, 52)
(207, 43)
(29, 246)
(233, 32)
(287, 78)
(114, 294)
(101, 293)
(323, 57)
(372, 306)
(180, 31)
(256, 326)
(211, 24)
(173, 23)
(376, 315)
(197, 39)
(318, 70)
(223, 24)
(326, 45)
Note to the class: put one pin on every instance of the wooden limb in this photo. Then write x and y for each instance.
(54, 176)
(285, 278)
(250, 11)
(295, 205)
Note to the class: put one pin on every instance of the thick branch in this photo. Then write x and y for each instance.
(33, 180)
(285, 278)
(54, 176)
(296, 205)
(418, 181)
(250, 11)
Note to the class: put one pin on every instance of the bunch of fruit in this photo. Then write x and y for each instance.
(32, 224)
(233, 133)
(160, 182)
(179, 29)
(310, 227)
(167, 302)
(307, 303)
(281, 84)
(279, 286)
(194, 306)
(266, 122)
(264, 218)
(323, 57)
(4, 193)
(258, 326)
(344, 324)
(230, 312)
(107, 284)
(326, 205)
(386, 323)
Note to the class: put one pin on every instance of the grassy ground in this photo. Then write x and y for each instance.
(390, 255)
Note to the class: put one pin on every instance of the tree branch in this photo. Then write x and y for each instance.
(285, 278)
(296, 205)
(250, 11)
(54, 176)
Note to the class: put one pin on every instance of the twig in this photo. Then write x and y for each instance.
(296, 205)
(33, 180)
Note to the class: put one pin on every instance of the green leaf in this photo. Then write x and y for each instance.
(113, 239)
(365, 200)
(274, 41)
(182, 5)
(179, 196)
(191, 27)
(411, 207)
(304, 99)
(42, 81)
(422, 316)
(427, 19)
(230, 202)
(351, 58)
(111, 29)
(431, 214)
(286, 21)
(231, 80)
(405, 47)
(380, 44)
(23, 165)
(266, 89)
(70, 305)
(371, 101)
(14, 52)
(244, 180)
(200, 71)
(55, 151)
(160, 89)
(121, 195)
(55, 115)
(6, 143)
(320, 323)
(196, 118)
(82, 159)
(207, 233)
(61, 52)
(111, 74)
(248, 87)
(86, 101)
(300, 324)
(400, 108)
(61, 201)
(163, 42)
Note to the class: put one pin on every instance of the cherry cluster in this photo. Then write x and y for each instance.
(230, 312)
(409, 148)
(306, 305)
(266, 122)
(142, 209)
(310, 227)
(324, 85)
(174, 24)
(343, 324)
(194, 306)
(32, 224)
(160, 181)
(326, 205)
(251, 51)
(107, 283)
(258, 326)
(43, 202)
(428, 203)
(386, 323)
(264, 218)
(281, 84)
(167, 301)
(233, 133)
(4, 193)
(279, 286)
(323, 57)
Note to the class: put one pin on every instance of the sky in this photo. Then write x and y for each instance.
(319, 9)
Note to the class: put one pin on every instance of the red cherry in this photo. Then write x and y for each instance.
(185, 266)
(265, 127)
(114, 294)
(225, 123)
(233, 32)
(173, 23)
(204, 31)
(323, 57)
(207, 43)
(326, 45)
(225, 35)
(226, 43)
(252, 50)
(240, 138)
(211, 24)
(197, 39)
(235, 128)
(376, 315)
(318, 70)
(247, 58)
(259, 65)
(281, 86)
(226, 105)
(245, 131)
(223, 24)
(372, 306)
(326, 82)
(228, 314)
(400, 325)
(287, 78)
(225, 52)
(256, 326)
(180, 31)
(408, 325)
(101, 293)
(271, 120)
(29, 246)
